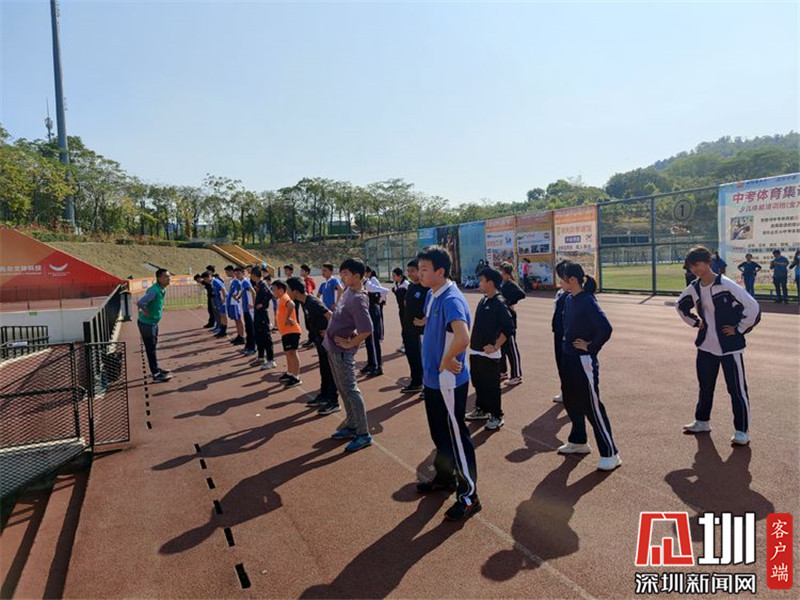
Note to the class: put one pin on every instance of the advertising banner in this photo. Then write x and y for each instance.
(757, 217)
(500, 246)
(447, 237)
(576, 236)
(426, 237)
(535, 249)
(472, 240)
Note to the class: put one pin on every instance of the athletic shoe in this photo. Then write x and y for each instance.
(570, 448)
(740, 438)
(318, 400)
(427, 487)
(697, 427)
(412, 389)
(361, 441)
(249, 352)
(329, 408)
(476, 415)
(308, 344)
(161, 377)
(503, 376)
(494, 423)
(257, 361)
(285, 377)
(220, 334)
(375, 372)
(365, 370)
(514, 381)
(558, 398)
(609, 463)
(344, 434)
(293, 382)
(238, 341)
(269, 365)
(164, 371)
(215, 331)
(402, 349)
(461, 511)
(208, 326)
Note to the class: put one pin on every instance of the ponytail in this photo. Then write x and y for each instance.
(588, 282)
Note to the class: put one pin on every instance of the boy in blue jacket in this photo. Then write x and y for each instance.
(724, 313)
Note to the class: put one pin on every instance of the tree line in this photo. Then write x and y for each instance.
(109, 201)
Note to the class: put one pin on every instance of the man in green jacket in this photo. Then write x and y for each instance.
(151, 306)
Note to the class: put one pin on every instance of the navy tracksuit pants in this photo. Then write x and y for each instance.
(733, 368)
(455, 454)
(373, 342)
(580, 390)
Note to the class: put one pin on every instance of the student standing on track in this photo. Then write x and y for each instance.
(558, 326)
(349, 326)
(247, 295)
(221, 331)
(206, 283)
(725, 313)
(233, 306)
(412, 333)
(376, 294)
(151, 307)
(780, 275)
(399, 289)
(492, 326)
(749, 268)
(310, 285)
(330, 289)
(586, 329)
(261, 329)
(512, 294)
(446, 378)
(290, 333)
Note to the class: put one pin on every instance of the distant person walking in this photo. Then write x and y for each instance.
(151, 307)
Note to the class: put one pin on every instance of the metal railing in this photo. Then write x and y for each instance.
(56, 404)
(18, 340)
(101, 327)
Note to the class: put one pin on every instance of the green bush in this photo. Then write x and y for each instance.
(124, 241)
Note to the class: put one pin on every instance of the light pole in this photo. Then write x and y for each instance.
(63, 150)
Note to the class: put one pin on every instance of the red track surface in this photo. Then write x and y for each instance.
(307, 520)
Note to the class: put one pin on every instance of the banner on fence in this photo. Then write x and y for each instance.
(472, 240)
(447, 238)
(500, 241)
(426, 237)
(576, 236)
(757, 217)
(535, 248)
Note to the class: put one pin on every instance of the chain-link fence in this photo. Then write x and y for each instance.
(57, 402)
(387, 252)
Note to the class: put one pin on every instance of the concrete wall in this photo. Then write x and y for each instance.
(64, 325)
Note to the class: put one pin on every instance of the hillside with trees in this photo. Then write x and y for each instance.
(111, 203)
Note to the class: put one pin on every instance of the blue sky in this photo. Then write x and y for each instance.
(466, 100)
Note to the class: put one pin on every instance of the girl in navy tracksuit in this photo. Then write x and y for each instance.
(558, 325)
(586, 329)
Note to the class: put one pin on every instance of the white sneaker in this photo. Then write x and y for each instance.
(269, 365)
(570, 448)
(740, 438)
(514, 381)
(609, 463)
(558, 398)
(476, 415)
(495, 423)
(697, 426)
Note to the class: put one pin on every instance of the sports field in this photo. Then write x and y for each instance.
(231, 487)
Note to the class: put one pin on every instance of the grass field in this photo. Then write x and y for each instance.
(669, 277)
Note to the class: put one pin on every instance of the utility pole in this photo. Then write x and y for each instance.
(63, 150)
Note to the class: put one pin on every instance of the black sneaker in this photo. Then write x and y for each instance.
(164, 371)
(160, 377)
(365, 370)
(285, 377)
(411, 389)
(427, 487)
(221, 334)
(329, 408)
(208, 325)
(308, 344)
(375, 372)
(238, 341)
(292, 382)
(460, 511)
(319, 400)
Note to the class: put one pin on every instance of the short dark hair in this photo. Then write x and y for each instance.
(305, 267)
(229, 267)
(205, 274)
(296, 284)
(439, 257)
(354, 266)
(256, 271)
(279, 283)
(776, 252)
(238, 270)
(507, 268)
(398, 271)
(696, 255)
(328, 266)
(197, 276)
(160, 272)
(493, 275)
(289, 266)
(211, 269)
(413, 264)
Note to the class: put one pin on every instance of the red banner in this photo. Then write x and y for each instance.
(780, 562)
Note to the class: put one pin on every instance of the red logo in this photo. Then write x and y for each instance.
(780, 559)
(664, 555)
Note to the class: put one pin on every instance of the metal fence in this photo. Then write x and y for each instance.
(177, 297)
(57, 403)
(17, 340)
(101, 327)
(386, 252)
